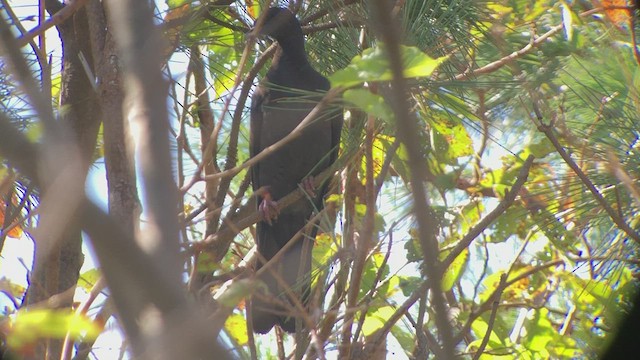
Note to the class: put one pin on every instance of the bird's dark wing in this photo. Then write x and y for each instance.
(283, 171)
(258, 98)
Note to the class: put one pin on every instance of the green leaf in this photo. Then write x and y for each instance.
(378, 153)
(373, 66)
(222, 58)
(88, 279)
(540, 332)
(513, 222)
(480, 328)
(172, 4)
(455, 270)
(409, 284)
(393, 285)
(406, 341)
(56, 85)
(450, 139)
(370, 103)
(206, 264)
(541, 148)
(324, 249)
(371, 269)
(234, 291)
(376, 320)
(378, 222)
(338, 199)
(413, 248)
(35, 130)
(470, 215)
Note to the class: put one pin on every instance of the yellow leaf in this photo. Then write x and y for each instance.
(236, 326)
(29, 326)
(376, 320)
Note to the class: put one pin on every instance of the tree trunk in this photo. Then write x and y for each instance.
(58, 272)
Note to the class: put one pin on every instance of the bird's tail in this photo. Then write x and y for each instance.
(293, 268)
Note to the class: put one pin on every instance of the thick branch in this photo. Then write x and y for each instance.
(408, 133)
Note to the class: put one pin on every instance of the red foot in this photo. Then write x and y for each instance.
(268, 208)
(308, 186)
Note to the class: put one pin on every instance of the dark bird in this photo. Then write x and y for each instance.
(278, 105)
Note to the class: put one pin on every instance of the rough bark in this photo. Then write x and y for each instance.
(59, 271)
(205, 118)
(118, 153)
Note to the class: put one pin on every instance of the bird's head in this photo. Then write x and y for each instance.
(278, 23)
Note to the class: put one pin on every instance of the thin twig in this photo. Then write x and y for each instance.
(244, 93)
(498, 64)
(82, 310)
(487, 304)
(58, 18)
(547, 130)
(492, 318)
(381, 334)
(616, 168)
(213, 243)
(297, 132)
(366, 300)
(367, 232)
(493, 215)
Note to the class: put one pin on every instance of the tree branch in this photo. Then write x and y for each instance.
(58, 18)
(547, 130)
(493, 215)
(408, 132)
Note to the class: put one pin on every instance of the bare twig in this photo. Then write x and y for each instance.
(244, 93)
(616, 168)
(492, 318)
(496, 65)
(97, 288)
(131, 275)
(365, 240)
(57, 18)
(493, 215)
(374, 286)
(325, 11)
(547, 130)
(141, 49)
(232, 147)
(381, 334)
(488, 304)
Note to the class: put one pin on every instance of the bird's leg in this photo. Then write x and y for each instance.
(308, 186)
(268, 208)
